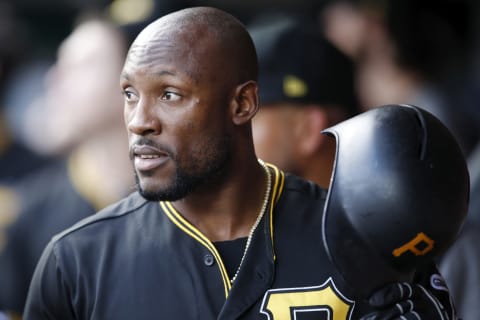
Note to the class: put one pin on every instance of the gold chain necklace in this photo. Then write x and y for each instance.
(259, 218)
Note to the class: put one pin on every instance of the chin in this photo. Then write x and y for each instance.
(148, 188)
(150, 191)
(154, 192)
(151, 196)
(156, 188)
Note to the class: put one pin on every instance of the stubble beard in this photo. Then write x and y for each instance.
(203, 170)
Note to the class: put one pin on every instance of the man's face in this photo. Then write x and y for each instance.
(83, 81)
(274, 134)
(175, 113)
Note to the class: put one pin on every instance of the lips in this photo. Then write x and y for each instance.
(148, 158)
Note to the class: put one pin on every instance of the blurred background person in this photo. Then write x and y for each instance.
(79, 119)
(305, 86)
(16, 160)
(30, 34)
(408, 51)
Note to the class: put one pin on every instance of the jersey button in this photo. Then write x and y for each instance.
(208, 260)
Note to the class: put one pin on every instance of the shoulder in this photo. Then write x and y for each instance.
(116, 232)
(120, 210)
(290, 191)
(295, 185)
(300, 197)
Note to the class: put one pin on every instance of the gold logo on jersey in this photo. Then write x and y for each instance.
(288, 303)
(414, 246)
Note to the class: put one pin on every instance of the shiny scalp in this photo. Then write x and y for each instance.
(196, 26)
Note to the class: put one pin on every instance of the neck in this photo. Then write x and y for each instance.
(230, 211)
(319, 167)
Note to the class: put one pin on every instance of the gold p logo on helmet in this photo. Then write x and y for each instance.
(414, 246)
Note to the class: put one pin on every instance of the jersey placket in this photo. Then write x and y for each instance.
(189, 229)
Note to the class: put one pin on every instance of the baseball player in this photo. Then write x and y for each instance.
(306, 85)
(213, 232)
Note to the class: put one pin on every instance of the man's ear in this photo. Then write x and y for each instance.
(245, 102)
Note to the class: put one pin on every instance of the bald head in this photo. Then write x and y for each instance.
(199, 35)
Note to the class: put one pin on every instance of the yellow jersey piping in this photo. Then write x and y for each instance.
(189, 229)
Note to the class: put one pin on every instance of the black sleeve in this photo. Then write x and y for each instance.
(49, 295)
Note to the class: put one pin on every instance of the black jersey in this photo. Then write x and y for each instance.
(139, 259)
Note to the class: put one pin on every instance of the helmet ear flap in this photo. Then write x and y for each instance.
(397, 198)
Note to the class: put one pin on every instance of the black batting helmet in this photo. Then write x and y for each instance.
(398, 195)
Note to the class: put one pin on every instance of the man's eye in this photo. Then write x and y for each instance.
(171, 96)
(129, 95)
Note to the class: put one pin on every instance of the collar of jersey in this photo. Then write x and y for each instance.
(188, 228)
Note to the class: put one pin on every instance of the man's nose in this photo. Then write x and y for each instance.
(141, 119)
